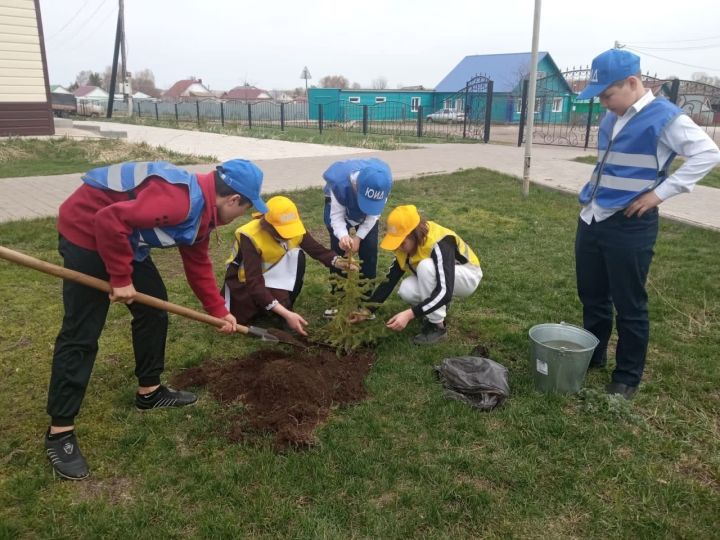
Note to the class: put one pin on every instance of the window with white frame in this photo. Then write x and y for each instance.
(518, 105)
(380, 99)
(354, 99)
(557, 104)
(414, 104)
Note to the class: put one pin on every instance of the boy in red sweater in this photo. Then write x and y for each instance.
(107, 227)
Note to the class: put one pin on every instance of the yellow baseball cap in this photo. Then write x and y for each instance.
(283, 215)
(401, 222)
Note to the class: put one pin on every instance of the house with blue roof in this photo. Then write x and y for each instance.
(507, 71)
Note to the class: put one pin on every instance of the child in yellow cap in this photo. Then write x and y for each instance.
(441, 264)
(266, 269)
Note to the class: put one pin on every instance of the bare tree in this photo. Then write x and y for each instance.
(144, 81)
(83, 78)
(706, 79)
(334, 81)
(380, 83)
(356, 86)
(107, 78)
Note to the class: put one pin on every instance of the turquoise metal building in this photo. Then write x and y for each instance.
(507, 71)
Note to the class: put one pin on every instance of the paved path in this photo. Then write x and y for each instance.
(290, 166)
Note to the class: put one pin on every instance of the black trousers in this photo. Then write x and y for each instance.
(612, 260)
(85, 312)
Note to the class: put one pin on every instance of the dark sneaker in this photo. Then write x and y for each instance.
(65, 457)
(165, 397)
(624, 390)
(430, 334)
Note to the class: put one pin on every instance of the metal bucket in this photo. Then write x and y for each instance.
(559, 357)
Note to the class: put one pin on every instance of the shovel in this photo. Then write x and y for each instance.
(95, 283)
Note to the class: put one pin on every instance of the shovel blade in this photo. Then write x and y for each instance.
(262, 334)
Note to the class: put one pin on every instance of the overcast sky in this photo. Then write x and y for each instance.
(408, 42)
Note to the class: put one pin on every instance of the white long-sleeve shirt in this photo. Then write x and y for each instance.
(339, 218)
(683, 137)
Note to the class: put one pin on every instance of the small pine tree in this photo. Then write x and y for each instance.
(349, 296)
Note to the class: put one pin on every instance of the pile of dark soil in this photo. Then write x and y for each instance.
(288, 393)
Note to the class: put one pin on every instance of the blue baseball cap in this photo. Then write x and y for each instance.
(244, 177)
(609, 67)
(373, 189)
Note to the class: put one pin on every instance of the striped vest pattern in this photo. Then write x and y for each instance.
(125, 177)
(627, 165)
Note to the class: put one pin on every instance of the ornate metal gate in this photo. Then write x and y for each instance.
(562, 119)
(478, 95)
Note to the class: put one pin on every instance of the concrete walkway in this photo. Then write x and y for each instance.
(289, 166)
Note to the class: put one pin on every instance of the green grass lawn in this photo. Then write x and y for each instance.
(407, 462)
(39, 157)
(712, 179)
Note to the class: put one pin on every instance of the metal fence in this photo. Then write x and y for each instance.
(477, 114)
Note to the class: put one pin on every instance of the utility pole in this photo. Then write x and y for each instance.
(531, 99)
(119, 40)
(126, 82)
(113, 73)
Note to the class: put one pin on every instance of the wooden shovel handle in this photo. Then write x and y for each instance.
(95, 283)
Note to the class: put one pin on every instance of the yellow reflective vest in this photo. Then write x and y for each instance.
(268, 247)
(435, 234)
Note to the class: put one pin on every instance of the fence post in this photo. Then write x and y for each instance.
(157, 114)
(139, 115)
(675, 91)
(589, 122)
(249, 116)
(465, 110)
(282, 117)
(222, 114)
(365, 119)
(523, 111)
(420, 121)
(320, 117)
(177, 118)
(488, 111)
(197, 108)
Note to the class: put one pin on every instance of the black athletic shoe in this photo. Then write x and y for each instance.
(65, 457)
(430, 334)
(165, 397)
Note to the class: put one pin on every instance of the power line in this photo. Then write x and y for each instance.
(82, 25)
(677, 40)
(73, 18)
(691, 48)
(78, 40)
(672, 61)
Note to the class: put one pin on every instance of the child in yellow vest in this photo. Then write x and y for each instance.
(266, 269)
(441, 264)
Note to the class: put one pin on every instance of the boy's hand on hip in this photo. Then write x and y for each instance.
(230, 324)
(125, 294)
(646, 201)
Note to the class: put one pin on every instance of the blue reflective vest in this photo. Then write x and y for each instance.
(125, 177)
(337, 181)
(627, 166)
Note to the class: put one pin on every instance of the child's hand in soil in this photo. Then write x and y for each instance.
(296, 322)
